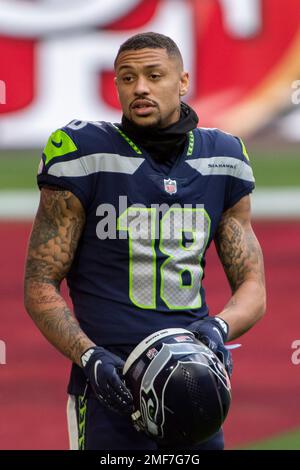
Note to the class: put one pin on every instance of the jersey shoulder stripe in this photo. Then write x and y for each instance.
(96, 163)
(222, 165)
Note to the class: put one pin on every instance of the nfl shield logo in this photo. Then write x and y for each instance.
(151, 353)
(170, 186)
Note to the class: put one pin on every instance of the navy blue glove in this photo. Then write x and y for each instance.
(213, 332)
(103, 371)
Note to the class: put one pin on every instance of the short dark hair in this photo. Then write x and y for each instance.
(152, 41)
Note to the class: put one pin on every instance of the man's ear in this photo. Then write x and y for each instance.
(184, 83)
(116, 84)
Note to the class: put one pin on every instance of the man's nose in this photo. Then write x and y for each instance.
(141, 86)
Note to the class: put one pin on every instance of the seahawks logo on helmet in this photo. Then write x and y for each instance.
(182, 393)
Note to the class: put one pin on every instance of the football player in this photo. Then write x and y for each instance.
(127, 212)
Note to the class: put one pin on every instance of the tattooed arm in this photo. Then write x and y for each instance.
(56, 231)
(241, 256)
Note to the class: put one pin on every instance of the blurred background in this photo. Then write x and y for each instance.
(56, 65)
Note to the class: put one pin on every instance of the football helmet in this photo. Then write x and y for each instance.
(181, 390)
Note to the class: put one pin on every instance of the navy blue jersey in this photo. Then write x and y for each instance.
(140, 261)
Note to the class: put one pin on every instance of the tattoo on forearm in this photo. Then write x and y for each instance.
(60, 326)
(239, 252)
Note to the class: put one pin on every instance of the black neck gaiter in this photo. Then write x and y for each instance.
(167, 143)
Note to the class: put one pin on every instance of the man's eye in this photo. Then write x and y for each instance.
(154, 76)
(127, 78)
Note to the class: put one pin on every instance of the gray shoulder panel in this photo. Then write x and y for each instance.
(96, 163)
(227, 166)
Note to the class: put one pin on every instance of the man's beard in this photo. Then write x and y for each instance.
(152, 125)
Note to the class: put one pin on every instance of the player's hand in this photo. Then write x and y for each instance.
(103, 370)
(213, 332)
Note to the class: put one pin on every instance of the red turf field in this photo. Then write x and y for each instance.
(265, 382)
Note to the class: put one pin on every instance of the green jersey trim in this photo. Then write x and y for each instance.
(245, 153)
(59, 144)
(129, 141)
